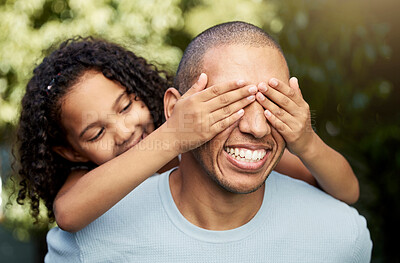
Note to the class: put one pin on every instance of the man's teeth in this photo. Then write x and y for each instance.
(246, 154)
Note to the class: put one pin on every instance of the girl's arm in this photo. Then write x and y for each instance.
(335, 175)
(86, 196)
(291, 117)
(197, 117)
(292, 166)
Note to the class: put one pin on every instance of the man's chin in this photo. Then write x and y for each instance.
(241, 182)
(235, 189)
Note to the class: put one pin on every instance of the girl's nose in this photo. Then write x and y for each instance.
(124, 129)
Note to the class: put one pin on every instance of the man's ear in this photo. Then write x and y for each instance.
(70, 154)
(171, 96)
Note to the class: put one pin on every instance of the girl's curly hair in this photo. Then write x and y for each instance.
(43, 171)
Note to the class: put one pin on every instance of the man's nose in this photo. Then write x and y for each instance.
(254, 122)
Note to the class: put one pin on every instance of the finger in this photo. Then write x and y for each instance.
(220, 89)
(294, 84)
(280, 113)
(230, 97)
(200, 85)
(290, 93)
(282, 87)
(228, 110)
(280, 98)
(221, 125)
(280, 126)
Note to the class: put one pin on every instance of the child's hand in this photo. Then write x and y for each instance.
(201, 113)
(288, 113)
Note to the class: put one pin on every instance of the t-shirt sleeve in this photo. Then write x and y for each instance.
(363, 246)
(62, 247)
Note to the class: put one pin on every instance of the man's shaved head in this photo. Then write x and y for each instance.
(231, 33)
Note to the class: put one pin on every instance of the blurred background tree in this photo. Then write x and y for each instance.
(345, 53)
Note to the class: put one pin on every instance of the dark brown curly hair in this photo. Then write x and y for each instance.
(43, 171)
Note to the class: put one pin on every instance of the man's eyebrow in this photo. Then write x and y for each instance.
(94, 123)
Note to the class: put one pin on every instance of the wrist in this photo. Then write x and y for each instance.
(169, 139)
(312, 149)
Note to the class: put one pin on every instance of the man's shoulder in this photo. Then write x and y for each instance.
(313, 204)
(305, 198)
(144, 197)
(305, 209)
(295, 187)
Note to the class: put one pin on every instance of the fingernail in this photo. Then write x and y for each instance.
(267, 113)
(260, 96)
(250, 97)
(262, 87)
(273, 82)
(240, 82)
(253, 89)
(202, 75)
(240, 112)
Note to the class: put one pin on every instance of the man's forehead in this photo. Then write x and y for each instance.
(252, 64)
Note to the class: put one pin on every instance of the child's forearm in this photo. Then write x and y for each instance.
(332, 171)
(292, 166)
(88, 197)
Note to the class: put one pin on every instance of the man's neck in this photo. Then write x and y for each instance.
(207, 205)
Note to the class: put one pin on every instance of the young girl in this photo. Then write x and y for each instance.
(91, 129)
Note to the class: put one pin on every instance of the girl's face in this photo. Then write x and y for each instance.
(101, 120)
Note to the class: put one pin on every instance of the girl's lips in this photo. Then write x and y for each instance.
(243, 165)
(132, 144)
(136, 141)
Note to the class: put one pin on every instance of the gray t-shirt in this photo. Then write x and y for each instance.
(296, 223)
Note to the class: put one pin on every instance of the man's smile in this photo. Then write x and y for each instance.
(246, 158)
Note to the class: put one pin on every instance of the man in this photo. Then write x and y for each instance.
(224, 203)
(215, 189)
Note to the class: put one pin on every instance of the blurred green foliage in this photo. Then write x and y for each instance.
(333, 47)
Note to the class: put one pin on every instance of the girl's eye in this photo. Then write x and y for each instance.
(126, 107)
(97, 135)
